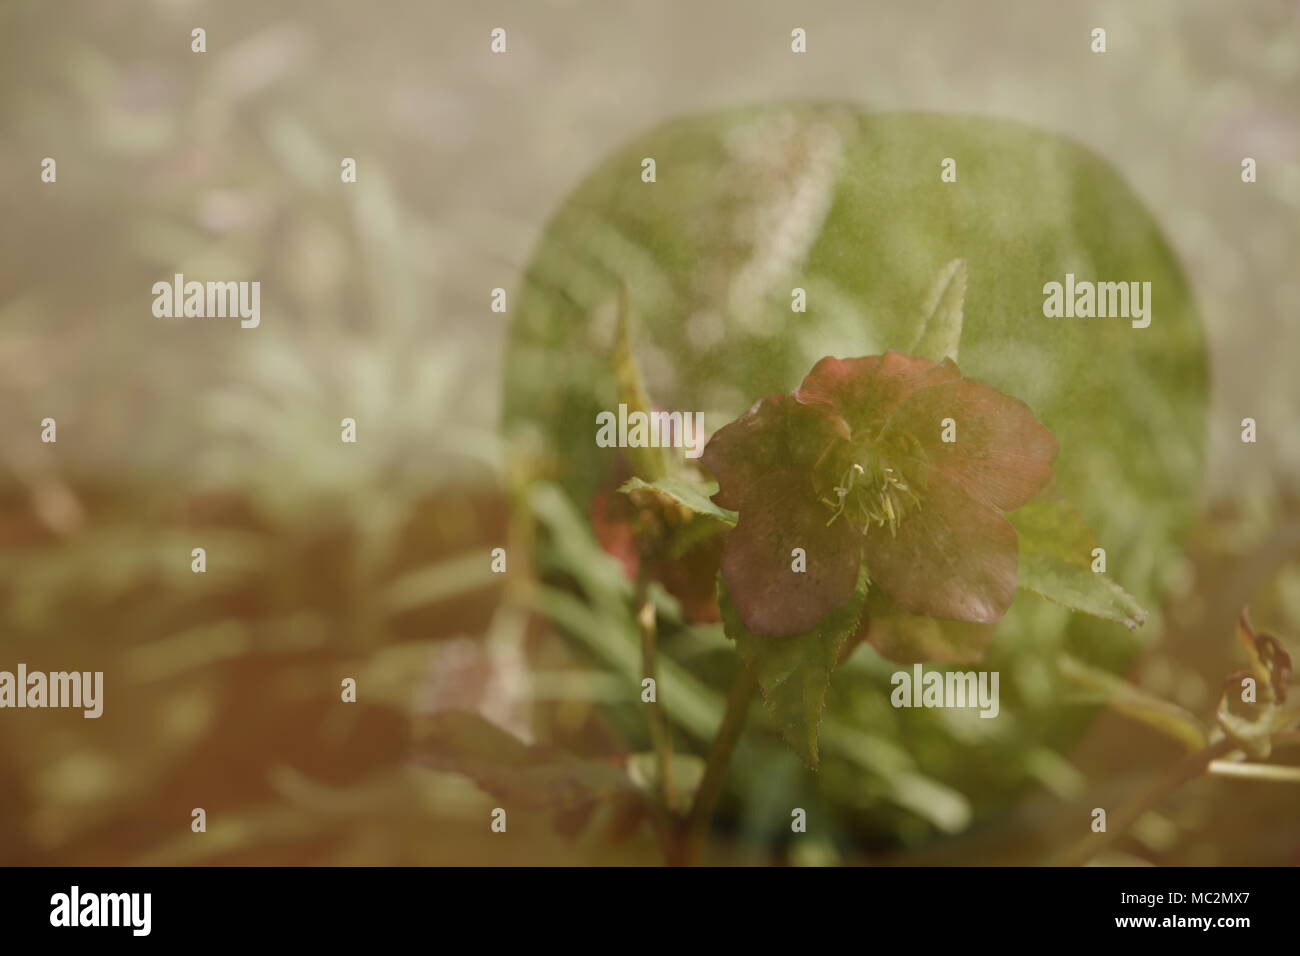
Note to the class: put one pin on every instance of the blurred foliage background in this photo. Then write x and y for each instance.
(329, 560)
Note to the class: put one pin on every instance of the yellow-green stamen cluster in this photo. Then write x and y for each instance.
(880, 498)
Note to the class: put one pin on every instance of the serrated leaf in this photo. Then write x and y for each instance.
(1055, 551)
(793, 673)
(939, 333)
(529, 776)
(693, 495)
(1128, 699)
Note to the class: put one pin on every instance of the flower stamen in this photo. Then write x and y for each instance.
(842, 491)
(882, 497)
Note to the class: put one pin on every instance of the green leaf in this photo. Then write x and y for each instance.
(1133, 701)
(1055, 555)
(794, 672)
(649, 463)
(939, 330)
(692, 495)
(912, 638)
(531, 777)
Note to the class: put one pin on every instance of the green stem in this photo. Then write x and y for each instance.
(660, 735)
(715, 771)
(1188, 768)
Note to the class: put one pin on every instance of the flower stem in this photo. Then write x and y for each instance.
(1188, 768)
(1256, 771)
(660, 735)
(715, 771)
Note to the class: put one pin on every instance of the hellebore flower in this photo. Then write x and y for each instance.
(889, 459)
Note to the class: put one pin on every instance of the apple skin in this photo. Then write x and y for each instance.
(849, 205)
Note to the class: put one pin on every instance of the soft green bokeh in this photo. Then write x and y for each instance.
(752, 203)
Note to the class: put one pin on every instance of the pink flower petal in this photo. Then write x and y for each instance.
(1002, 455)
(781, 513)
(864, 391)
(777, 432)
(951, 558)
